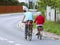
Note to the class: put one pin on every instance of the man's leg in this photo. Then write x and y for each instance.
(25, 31)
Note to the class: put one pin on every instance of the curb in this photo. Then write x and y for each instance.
(9, 14)
(48, 34)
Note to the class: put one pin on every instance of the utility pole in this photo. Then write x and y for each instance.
(28, 3)
(34, 3)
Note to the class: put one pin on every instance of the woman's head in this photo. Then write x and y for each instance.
(38, 13)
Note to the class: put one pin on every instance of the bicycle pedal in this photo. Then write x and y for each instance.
(26, 38)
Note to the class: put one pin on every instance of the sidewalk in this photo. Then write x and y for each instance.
(18, 13)
(45, 34)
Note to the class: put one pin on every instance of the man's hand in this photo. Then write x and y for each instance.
(22, 21)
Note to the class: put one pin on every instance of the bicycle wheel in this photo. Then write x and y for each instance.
(39, 36)
(29, 35)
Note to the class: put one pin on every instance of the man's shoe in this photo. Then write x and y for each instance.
(26, 38)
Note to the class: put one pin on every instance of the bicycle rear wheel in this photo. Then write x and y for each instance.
(39, 36)
(30, 35)
(39, 32)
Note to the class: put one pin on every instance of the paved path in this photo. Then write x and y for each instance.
(10, 34)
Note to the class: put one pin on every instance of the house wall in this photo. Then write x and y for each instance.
(50, 14)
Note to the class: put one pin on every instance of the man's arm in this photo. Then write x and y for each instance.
(23, 19)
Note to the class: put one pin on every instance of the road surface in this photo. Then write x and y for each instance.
(11, 35)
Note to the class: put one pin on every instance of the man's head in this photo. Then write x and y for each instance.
(24, 10)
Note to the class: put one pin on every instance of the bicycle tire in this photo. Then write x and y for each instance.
(29, 35)
(39, 36)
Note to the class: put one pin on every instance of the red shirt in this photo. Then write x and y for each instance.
(39, 19)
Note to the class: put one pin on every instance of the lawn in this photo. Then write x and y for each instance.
(52, 27)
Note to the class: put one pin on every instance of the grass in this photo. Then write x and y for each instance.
(53, 27)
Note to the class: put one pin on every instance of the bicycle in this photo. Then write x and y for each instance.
(28, 34)
(39, 36)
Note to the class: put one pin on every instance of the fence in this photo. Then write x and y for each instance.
(10, 9)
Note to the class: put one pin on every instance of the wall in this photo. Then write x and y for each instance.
(50, 14)
(9, 9)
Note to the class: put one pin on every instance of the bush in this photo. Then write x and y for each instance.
(52, 27)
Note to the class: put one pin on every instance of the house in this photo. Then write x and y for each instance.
(52, 15)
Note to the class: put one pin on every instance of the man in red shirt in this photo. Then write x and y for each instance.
(39, 20)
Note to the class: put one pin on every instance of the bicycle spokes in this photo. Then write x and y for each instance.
(39, 36)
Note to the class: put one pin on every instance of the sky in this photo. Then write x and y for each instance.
(22, 0)
(25, 0)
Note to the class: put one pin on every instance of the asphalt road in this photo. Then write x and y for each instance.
(11, 35)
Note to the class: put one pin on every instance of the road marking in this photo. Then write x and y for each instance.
(11, 41)
(6, 39)
(1, 38)
(17, 44)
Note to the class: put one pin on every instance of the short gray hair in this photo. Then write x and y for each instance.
(38, 13)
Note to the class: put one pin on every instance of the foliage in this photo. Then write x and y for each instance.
(30, 5)
(9, 2)
(42, 4)
(52, 3)
(23, 3)
(52, 27)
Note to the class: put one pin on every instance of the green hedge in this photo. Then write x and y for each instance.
(52, 27)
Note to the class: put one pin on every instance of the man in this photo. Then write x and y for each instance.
(27, 16)
(39, 20)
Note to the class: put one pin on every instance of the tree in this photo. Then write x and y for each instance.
(42, 4)
(9, 2)
(53, 4)
(30, 5)
(23, 3)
